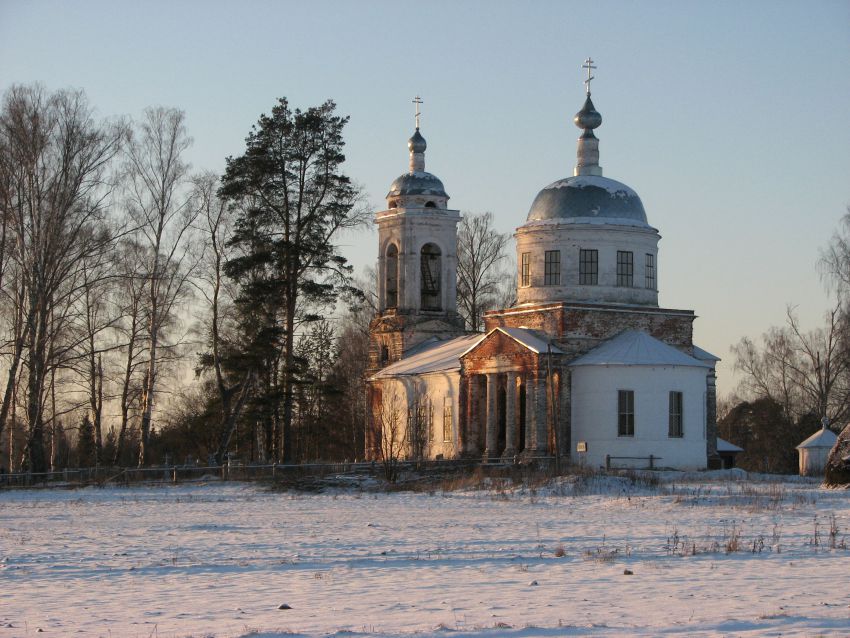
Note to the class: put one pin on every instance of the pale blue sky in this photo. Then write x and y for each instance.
(730, 119)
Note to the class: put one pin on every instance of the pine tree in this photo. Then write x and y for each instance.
(291, 199)
(86, 448)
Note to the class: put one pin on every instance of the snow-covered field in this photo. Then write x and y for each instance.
(708, 558)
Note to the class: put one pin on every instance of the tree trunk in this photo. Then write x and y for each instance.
(231, 417)
(147, 399)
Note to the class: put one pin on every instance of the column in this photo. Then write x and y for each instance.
(468, 448)
(510, 416)
(490, 443)
(530, 430)
(541, 422)
(565, 416)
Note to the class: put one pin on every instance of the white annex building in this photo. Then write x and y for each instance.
(585, 365)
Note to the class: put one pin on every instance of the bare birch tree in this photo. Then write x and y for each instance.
(804, 372)
(130, 263)
(160, 206)
(480, 250)
(54, 166)
(392, 432)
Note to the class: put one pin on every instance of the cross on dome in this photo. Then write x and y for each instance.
(588, 64)
(417, 101)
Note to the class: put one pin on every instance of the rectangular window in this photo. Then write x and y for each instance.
(625, 269)
(626, 413)
(676, 429)
(552, 273)
(588, 267)
(447, 421)
(525, 270)
(650, 271)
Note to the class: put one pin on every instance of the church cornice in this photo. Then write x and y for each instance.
(566, 305)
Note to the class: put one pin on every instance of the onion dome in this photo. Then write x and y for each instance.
(588, 117)
(417, 143)
(417, 181)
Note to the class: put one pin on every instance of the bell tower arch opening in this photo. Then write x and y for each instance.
(391, 267)
(431, 277)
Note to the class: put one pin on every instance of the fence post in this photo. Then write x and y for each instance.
(650, 461)
(607, 461)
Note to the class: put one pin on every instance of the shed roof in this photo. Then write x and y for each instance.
(724, 446)
(636, 348)
(436, 356)
(822, 438)
(704, 355)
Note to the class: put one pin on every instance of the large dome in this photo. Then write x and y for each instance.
(588, 197)
(417, 183)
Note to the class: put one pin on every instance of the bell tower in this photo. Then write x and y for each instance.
(417, 262)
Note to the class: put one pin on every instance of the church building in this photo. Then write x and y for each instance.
(585, 365)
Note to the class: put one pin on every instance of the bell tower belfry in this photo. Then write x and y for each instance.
(417, 262)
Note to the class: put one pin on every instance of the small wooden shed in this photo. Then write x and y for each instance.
(814, 451)
(727, 453)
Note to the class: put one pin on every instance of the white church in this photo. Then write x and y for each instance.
(585, 365)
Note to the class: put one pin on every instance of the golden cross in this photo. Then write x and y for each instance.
(588, 64)
(417, 101)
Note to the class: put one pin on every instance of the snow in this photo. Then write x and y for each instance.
(822, 438)
(222, 559)
(704, 355)
(611, 186)
(433, 357)
(442, 356)
(530, 340)
(725, 446)
(636, 348)
(526, 338)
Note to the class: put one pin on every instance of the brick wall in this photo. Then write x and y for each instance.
(578, 328)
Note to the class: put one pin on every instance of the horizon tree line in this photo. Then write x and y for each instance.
(121, 268)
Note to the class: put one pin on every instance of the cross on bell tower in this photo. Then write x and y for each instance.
(417, 101)
(588, 64)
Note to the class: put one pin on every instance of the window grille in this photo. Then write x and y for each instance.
(525, 270)
(626, 413)
(625, 268)
(552, 271)
(588, 267)
(676, 427)
(650, 271)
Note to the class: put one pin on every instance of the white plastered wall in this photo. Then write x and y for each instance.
(569, 239)
(438, 388)
(813, 460)
(595, 413)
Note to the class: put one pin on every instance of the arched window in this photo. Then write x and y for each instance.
(431, 270)
(430, 205)
(391, 270)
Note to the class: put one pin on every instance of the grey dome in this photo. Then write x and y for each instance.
(417, 183)
(588, 196)
(417, 143)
